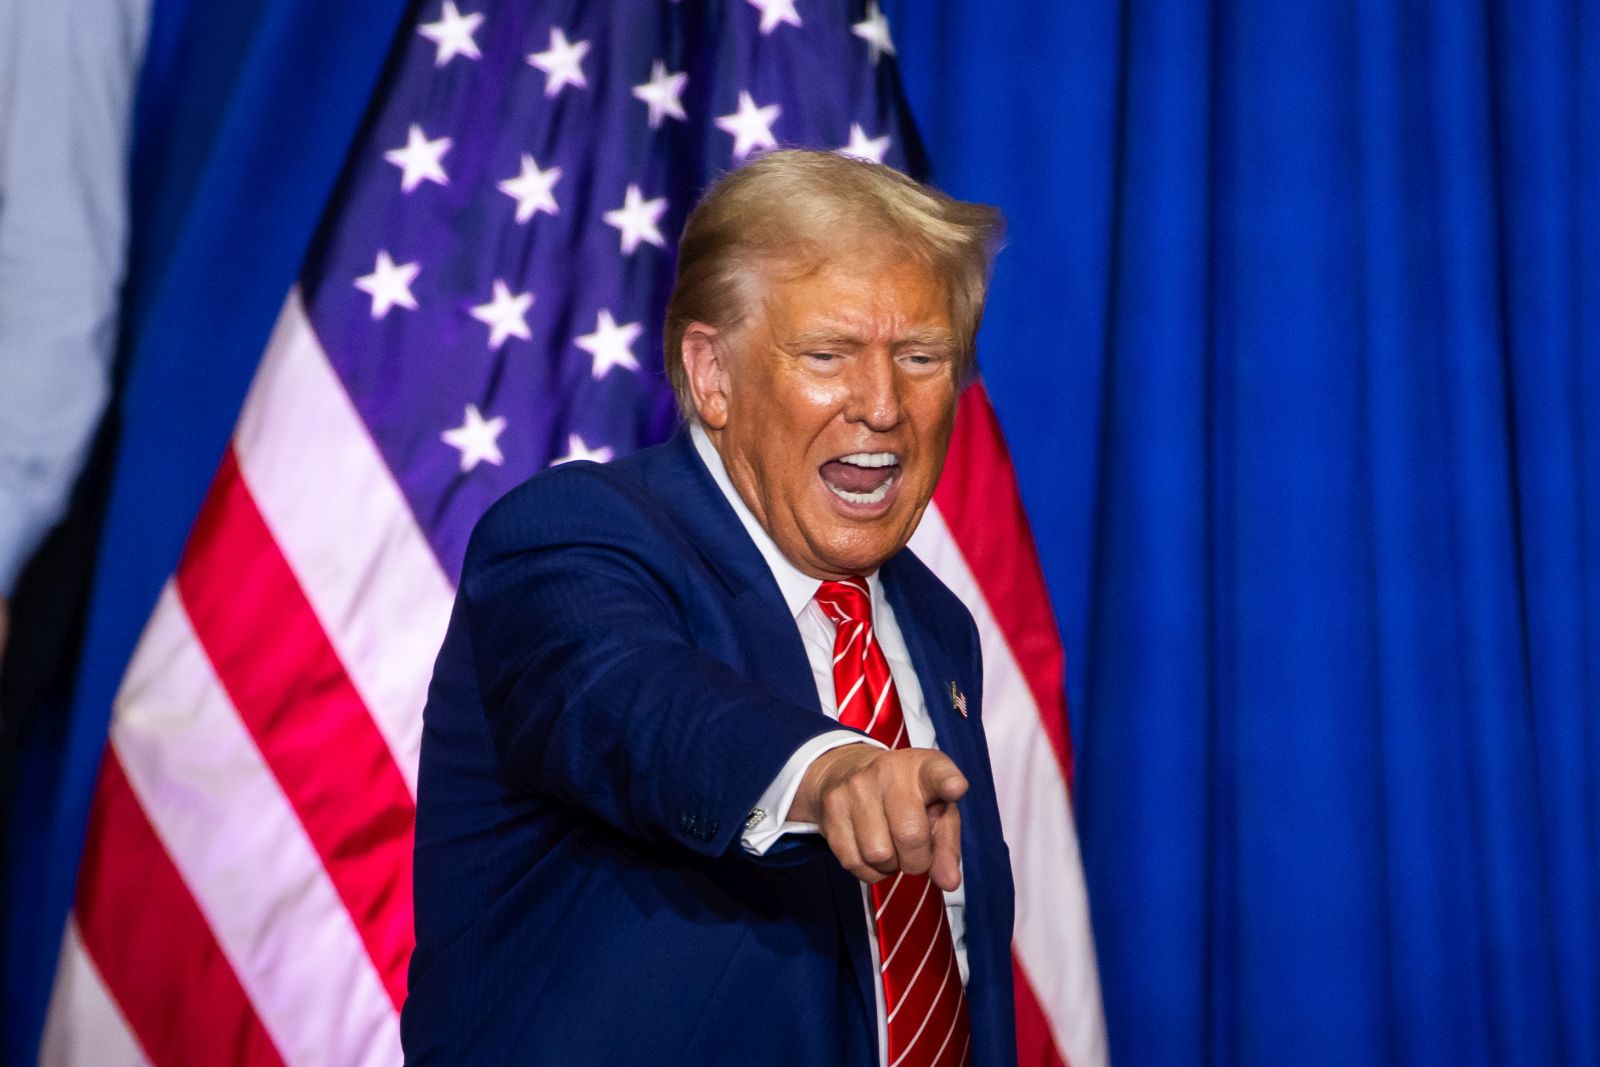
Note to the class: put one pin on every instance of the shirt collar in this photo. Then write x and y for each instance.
(796, 586)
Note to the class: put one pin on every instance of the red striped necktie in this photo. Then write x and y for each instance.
(922, 993)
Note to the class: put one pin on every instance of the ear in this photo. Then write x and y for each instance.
(704, 364)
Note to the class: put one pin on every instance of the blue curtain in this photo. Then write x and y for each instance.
(1297, 343)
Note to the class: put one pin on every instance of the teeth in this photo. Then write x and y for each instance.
(870, 459)
(874, 497)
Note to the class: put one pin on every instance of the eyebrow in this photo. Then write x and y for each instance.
(930, 339)
(917, 339)
(825, 337)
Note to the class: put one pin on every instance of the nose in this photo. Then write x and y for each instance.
(875, 391)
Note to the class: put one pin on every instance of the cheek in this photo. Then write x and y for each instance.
(797, 418)
(812, 401)
(935, 421)
(781, 390)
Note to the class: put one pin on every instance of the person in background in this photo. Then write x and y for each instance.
(67, 74)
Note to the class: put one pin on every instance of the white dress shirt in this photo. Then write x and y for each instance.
(67, 74)
(769, 820)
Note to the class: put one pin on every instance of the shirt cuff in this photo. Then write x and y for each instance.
(769, 819)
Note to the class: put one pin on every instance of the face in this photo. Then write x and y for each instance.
(832, 406)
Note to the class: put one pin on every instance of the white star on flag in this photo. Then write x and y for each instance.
(476, 439)
(532, 189)
(662, 93)
(775, 13)
(637, 218)
(389, 285)
(610, 345)
(505, 314)
(874, 29)
(452, 34)
(577, 450)
(420, 160)
(751, 126)
(871, 149)
(562, 63)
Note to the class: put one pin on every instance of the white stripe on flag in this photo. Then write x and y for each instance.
(346, 530)
(85, 1028)
(240, 849)
(1053, 938)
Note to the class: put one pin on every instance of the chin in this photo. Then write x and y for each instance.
(853, 555)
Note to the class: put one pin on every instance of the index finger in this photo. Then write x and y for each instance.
(941, 779)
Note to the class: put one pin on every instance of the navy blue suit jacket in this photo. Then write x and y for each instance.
(620, 682)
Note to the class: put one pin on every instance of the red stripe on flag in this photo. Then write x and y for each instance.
(1036, 1047)
(290, 689)
(982, 508)
(153, 947)
(980, 503)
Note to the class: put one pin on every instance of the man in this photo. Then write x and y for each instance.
(703, 774)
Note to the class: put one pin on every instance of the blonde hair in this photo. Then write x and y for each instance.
(794, 207)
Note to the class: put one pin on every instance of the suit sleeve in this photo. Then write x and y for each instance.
(595, 696)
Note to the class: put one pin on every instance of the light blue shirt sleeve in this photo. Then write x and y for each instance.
(67, 75)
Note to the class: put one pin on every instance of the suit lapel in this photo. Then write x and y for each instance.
(764, 622)
(944, 679)
(944, 665)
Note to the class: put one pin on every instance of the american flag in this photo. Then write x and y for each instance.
(484, 299)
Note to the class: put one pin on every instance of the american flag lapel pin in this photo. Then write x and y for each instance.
(958, 699)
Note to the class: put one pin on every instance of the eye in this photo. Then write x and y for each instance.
(919, 360)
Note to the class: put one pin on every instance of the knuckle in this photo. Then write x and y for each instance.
(834, 804)
(912, 835)
(877, 855)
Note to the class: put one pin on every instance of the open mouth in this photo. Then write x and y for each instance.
(863, 479)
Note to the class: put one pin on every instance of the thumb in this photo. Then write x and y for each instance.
(941, 779)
